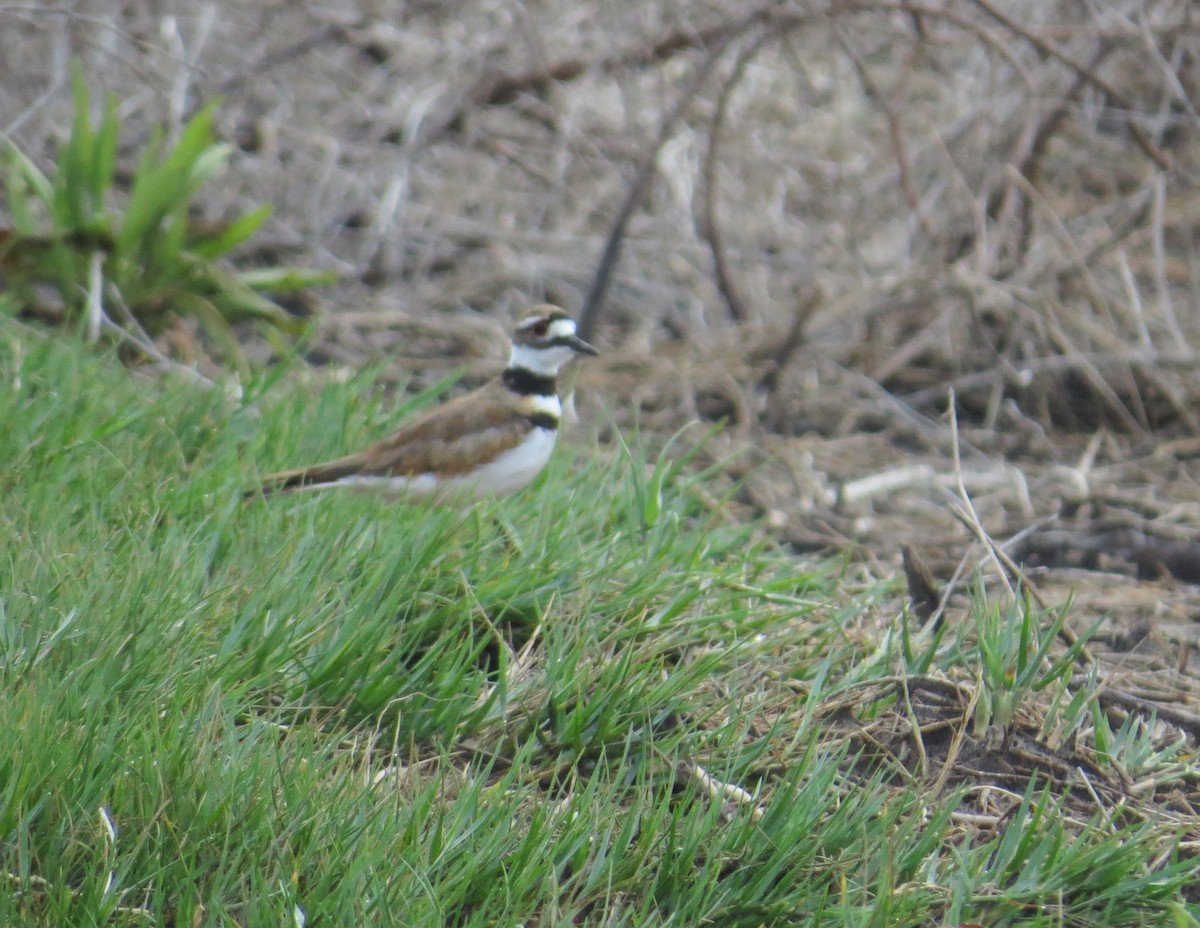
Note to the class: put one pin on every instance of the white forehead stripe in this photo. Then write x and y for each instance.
(560, 327)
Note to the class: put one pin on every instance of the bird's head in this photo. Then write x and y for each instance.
(545, 340)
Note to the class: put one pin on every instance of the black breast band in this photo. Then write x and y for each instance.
(527, 383)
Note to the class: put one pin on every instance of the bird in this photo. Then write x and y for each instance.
(487, 443)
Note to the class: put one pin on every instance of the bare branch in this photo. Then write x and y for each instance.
(709, 227)
(637, 191)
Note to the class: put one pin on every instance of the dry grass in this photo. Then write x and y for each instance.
(924, 196)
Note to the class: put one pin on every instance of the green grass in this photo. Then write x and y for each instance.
(227, 714)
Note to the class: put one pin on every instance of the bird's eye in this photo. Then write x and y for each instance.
(541, 327)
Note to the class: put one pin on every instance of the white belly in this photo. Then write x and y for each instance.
(510, 471)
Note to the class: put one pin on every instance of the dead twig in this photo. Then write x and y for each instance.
(315, 39)
(500, 89)
(1108, 697)
(1152, 151)
(731, 796)
(1008, 199)
(1054, 364)
(895, 128)
(710, 229)
(1006, 567)
(922, 587)
(637, 191)
(793, 340)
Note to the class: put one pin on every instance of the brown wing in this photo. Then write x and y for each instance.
(450, 439)
(453, 438)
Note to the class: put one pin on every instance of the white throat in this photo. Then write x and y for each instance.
(545, 361)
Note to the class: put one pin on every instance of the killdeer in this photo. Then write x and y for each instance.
(488, 443)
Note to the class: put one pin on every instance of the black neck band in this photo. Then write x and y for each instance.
(544, 420)
(527, 383)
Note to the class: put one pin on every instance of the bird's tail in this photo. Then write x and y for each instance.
(304, 478)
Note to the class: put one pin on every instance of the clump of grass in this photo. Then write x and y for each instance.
(326, 709)
(74, 253)
(1016, 659)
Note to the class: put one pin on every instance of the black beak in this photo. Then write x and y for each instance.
(577, 343)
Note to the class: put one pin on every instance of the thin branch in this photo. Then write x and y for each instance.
(1188, 721)
(302, 46)
(794, 339)
(637, 190)
(967, 513)
(1054, 364)
(133, 333)
(895, 128)
(499, 89)
(1152, 151)
(1005, 565)
(709, 227)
